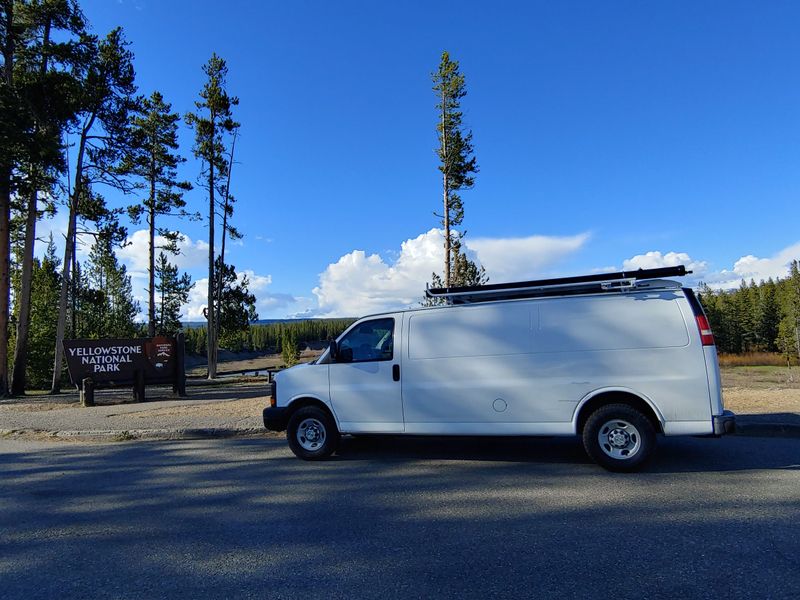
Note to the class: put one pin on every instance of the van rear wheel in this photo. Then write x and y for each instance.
(312, 433)
(619, 438)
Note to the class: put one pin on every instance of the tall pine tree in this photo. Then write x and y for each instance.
(105, 98)
(212, 120)
(51, 46)
(155, 160)
(457, 162)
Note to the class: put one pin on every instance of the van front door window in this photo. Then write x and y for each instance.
(371, 340)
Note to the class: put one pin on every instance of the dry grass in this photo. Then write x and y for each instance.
(754, 359)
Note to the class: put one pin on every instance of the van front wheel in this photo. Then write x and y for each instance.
(619, 438)
(312, 433)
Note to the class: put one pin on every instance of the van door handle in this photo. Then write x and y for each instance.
(396, 372)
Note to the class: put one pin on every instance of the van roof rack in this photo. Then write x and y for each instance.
(583, 284)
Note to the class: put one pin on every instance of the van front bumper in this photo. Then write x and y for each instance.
(724, 424)
(276, 418)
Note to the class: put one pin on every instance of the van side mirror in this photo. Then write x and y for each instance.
(334, 350)
(345, 355)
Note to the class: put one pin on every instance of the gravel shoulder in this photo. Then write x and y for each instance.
(234, 406)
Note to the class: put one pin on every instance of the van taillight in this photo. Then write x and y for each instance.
(705, 330)
(273, 394)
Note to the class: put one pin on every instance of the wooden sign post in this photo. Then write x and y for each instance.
(94, 364)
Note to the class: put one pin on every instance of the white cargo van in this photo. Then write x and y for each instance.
(615, 358)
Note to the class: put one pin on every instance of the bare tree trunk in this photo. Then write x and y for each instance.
(5, 275)
(73, 288)
(211, 328)
(5, 205)
(24, 301)
(447, 244)
(446, 196)
(24, 317)
(224, 232)
(69, 250)
(163, 301)
(151, 328)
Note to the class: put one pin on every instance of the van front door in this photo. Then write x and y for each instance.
(365, 382)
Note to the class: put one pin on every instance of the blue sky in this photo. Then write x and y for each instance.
(604, 131)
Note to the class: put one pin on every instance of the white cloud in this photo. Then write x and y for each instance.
(359, 284)
(256, 283)
(193, 310)
(519, 259)
(747, 267)
(656, 260)
(752, 267)
(136, 253)
(55, 226)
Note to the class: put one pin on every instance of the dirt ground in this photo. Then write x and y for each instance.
(761, 389)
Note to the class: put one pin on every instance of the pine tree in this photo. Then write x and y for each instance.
(105, 98)
(155, 160)
(212, 120)
(173, 293)
(50, 46)
(458, 166)
(455, 152)
(744, 305)
(110, 309)
(790, 309)
(465, 271)
(767, 316)
(45, 286)
(12, 141)
(290, 351)
(226, 210)
(237, 307)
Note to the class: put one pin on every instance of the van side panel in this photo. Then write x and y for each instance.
(629, 322)
(471, 331)
(459, 361)
(467, 366)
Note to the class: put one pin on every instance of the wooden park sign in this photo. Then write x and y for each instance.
(122, 362)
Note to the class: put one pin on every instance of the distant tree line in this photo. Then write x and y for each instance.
(270, 337)
(756, 317)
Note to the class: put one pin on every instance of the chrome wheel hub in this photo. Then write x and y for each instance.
(311, 434)
(619, 439)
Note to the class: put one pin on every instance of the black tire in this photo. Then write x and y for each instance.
(312, 433)
(619, 438)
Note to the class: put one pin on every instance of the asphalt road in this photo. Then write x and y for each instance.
(398, 518)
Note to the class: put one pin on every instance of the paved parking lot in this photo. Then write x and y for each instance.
(397, 518)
